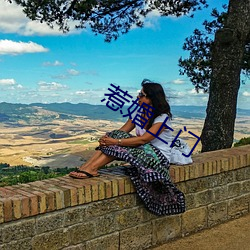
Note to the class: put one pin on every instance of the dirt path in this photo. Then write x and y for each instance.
(233, 235)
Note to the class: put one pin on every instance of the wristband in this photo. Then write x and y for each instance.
(119, 141)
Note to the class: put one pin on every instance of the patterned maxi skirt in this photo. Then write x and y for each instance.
(149, 173)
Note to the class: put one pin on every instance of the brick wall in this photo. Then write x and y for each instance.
(105, 212)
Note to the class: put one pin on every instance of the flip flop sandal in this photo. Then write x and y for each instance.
(87, 175)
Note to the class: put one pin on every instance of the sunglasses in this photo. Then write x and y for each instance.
(140, 94)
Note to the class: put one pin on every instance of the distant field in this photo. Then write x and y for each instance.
(82, 142)
(68, 140)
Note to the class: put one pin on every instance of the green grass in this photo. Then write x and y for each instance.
(23, 174)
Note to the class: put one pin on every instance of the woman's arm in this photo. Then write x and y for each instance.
(133, 141)
(128, 126)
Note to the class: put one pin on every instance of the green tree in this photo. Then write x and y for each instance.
(108, 17)
(198, 67)
(112, 18)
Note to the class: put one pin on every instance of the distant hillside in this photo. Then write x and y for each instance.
(47, 112)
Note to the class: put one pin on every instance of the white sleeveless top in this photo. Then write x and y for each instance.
(174, 154)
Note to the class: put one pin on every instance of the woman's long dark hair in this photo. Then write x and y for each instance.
(155, 92)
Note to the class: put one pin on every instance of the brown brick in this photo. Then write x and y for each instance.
(50, 201)
(201, 170)
(114, 184)
(172, 173)
(192, 172)
(234, 162)
(210, 168)
(187, 172)
(88, 193)
(59, 198)
(33, 201)
(248, 159)
(230, 163)
(43, 193)
(17, 212)
(34, 205)
(121, 185)
(1, 212)
(115, 188)
(7, 209)
(197, 170)
(94, 182)
(101, 191)
(73, 194)
(182, 174)
(127, 185)
(95, 191)
(6, 192)
(177, 174)
(243, 160)
(108, 188)
(78, 184)
(225, 165)
(205, 168)
(41, 201)
(25, 206)
(66, 195)
(132, 188)
(238, 162)
(216, 166)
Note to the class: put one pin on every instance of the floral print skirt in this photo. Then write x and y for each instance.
(149, 173)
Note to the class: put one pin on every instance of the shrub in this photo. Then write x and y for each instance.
(22, 174)
(242, 142)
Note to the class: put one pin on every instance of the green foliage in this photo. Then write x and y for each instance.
(198, 67)
(23, 174)
(109, 17)
(242, 142)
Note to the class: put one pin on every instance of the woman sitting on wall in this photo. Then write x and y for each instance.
(148, 155)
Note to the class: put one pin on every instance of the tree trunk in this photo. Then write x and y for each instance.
(227, 56)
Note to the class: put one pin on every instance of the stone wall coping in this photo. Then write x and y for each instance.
(39, 197)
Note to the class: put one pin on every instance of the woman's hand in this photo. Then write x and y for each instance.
(107, 141)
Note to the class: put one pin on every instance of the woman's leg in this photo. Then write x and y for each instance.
(98, 160)
(91, 159)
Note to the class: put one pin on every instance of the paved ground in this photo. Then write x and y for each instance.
(233, 235)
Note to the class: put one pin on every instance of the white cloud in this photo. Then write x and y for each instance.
(80, 92)
(19, 86)
(178, 81)
(13, 20)
(246, 93)
(15, 48)
(194, 92)
(51, 86)
(10, 84)
(7, 82)
(55, 63)
(73, 72)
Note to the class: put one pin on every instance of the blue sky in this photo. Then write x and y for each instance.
(38, 64)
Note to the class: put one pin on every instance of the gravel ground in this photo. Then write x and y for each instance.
(232, 235)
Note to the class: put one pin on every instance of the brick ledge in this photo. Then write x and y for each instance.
(25, 200)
